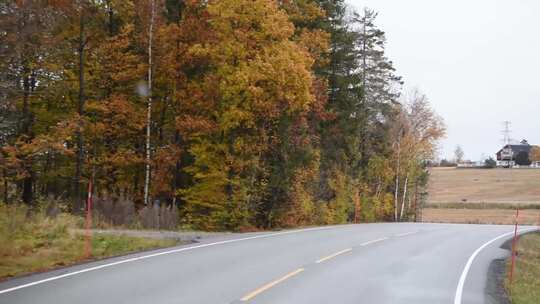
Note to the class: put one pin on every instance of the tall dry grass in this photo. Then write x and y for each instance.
(34, 240)
(525, 289)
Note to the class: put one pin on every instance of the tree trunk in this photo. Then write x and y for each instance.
(364, 53)
(396, 191)
(78, 206)
(46, 168)
(404, 196)
(161, 122)
(26, 121)
(415, 202)
(110, 13)
(149, 106)
(28, 183)
(176, 175)
(6, 193)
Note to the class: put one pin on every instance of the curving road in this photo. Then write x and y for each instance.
(365, 263)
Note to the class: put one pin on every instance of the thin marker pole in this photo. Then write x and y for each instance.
(514, 244)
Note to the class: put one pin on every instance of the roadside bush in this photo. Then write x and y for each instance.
(159, 217)
(31, 240)
(21, 230)
(342, 205)
(490, 163)
(110, 212)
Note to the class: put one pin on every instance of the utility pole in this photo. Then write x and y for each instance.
(506, 132)
(506, 139)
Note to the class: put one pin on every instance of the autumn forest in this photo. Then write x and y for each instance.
(230, 114)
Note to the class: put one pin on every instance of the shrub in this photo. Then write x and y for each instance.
(490, 163)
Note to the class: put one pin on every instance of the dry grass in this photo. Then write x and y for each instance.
(451, 185)
(482, 196)
(512, 206)
(480, 216)
(525, 288)
(37, 242)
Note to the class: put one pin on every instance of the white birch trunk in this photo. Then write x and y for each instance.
(396, 191)
(379, 186)
(149, 105)
(404, 197)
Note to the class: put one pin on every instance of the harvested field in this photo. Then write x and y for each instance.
(480, 216)
(484, 196)
(451, 185)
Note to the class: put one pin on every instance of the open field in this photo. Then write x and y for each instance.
(487, 196)
(480, 216)
(450, 185)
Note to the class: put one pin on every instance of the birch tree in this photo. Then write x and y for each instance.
(147, 170)
(458, 154)
(420, 129)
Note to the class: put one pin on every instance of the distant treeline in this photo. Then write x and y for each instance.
(238, 113)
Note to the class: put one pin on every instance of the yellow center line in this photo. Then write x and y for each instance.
(333, 255)
(251, 295)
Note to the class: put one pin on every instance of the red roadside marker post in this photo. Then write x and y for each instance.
(514, 247)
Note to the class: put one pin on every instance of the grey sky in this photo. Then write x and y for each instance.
(477, 61)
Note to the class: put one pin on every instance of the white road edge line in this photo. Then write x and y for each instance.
(463, 277)
(405, 234)
(155, 255)
(374, 241)
(333, 255)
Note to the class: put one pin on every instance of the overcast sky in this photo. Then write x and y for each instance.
(478, 61)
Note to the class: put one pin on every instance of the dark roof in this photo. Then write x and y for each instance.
(518, 148)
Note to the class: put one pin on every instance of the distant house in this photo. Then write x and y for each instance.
(514, 154)
(465, 164)
(470, 164)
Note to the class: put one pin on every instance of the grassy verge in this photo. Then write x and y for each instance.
(35, 242)
(480, 216)
(525, 288)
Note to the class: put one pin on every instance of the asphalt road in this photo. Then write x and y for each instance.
(366, 263)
